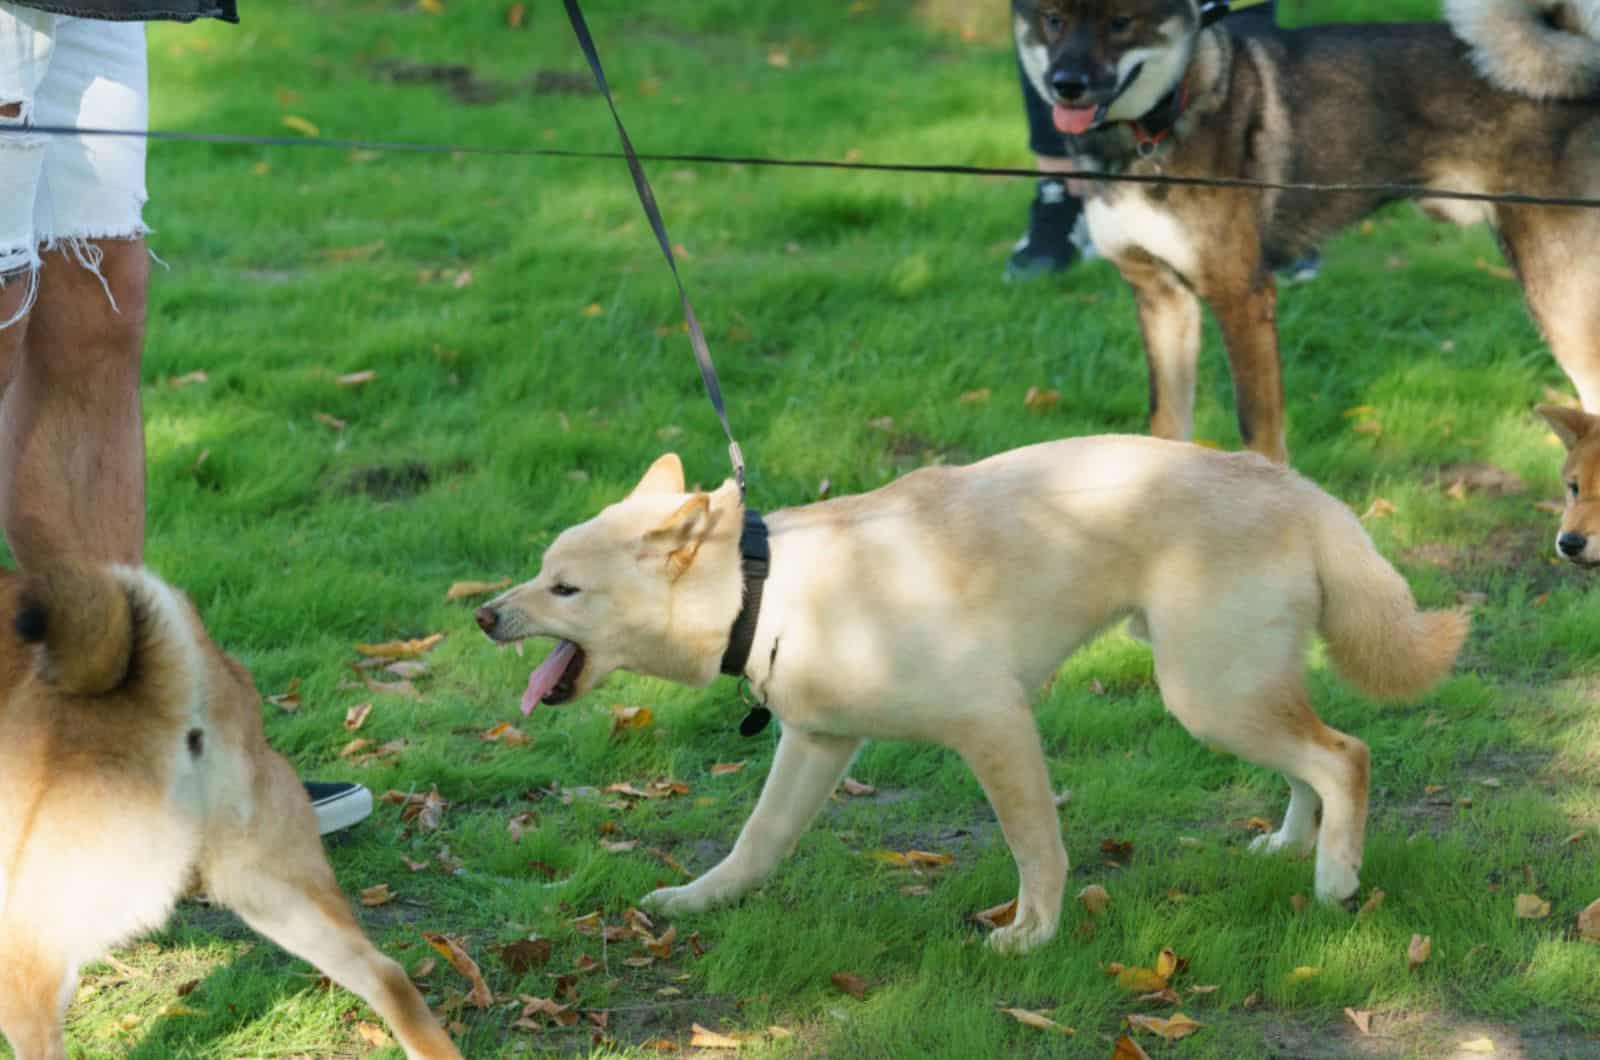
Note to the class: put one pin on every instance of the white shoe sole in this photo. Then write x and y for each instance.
(343, 810)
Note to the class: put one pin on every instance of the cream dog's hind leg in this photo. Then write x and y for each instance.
(805, 770)
(1002, 747)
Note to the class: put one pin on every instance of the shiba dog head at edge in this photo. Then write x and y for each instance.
(1578, 540)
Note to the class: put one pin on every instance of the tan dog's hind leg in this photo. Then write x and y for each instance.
(806, 769)
(33, 995)
(1003, 749)
(275, 876)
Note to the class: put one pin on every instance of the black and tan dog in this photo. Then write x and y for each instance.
(1505, 98)
(133, 765)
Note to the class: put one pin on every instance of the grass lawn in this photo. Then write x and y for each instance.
(529, 363)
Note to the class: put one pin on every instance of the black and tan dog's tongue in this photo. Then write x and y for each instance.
(548, 674)
(1074, 121)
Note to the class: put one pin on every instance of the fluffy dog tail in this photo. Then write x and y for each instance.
(1547, 49)
(82, 623)
(1378, 639)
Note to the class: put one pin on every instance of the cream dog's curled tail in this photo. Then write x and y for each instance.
(1376, 636)
(1547, 49)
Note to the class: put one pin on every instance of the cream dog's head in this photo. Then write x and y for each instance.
(652, 584)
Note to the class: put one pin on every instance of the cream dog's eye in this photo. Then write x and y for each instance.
(563, 589)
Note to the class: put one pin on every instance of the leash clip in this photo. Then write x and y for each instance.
(759, 716)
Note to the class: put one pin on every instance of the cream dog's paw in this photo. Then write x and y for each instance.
(1027, 931)
(1282, 839)
(679, 901)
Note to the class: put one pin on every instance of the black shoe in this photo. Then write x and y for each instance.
(1048, 246)
(1302, 269)
(339, 804)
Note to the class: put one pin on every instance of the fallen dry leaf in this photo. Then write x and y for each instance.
(356, 716)
(1418, 951)
(426, 810)
(1120, 851)
(331, 422)
(357, 378)
(526, 954)
(1361, 1018)
(516, 15)
(1128, 1049)
(851, 984)
(1378, 509)
(624, 718)
(480, 996)
(1037, 1019)
(1039, 400)
(704, 1038)
(855, 788)
(722, 769)
(401, 649)
(1165, 996)
(1589, 922)
(372, 1034)
(288, 700)
(1140, 980)
(976, 397)
(1531, 907)
(997, 916)
(1167, 963)
(519, 823)
(376, 895)
(300, 125)
(1095, 898)
(463, 590)
(1172, 1028)
(187, 379)
(1302, 973)
(1371, 904)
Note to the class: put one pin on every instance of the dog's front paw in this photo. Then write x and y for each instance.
(1282, 839)
(1335, 881)
(679, 901)
(1027, 931)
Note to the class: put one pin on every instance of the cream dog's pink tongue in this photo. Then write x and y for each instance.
(548, 673)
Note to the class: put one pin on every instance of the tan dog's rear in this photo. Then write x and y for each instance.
(1578, 540)
(933, 608)
(134, 764)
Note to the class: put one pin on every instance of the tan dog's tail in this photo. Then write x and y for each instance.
(82, 622)
(1378, 639)
(1547, 49)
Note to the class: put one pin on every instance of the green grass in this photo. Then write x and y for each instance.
(509, 406)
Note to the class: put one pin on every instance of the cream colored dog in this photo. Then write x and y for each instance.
(933, 608)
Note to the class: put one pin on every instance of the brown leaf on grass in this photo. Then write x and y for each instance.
(1119, 851)
(1303, 973)
(357, 378)
(414, 866)
(1128, 1049)
(372, 1034)
(1576, 837)
(1256, 824)
(1371, 904)
(376, 895)
(449, 863)
(1378, 509)
(668, 860)
(526, 954)
(854, 788)
(480, 996)
(1297, 902)
(356, 716)
(520, 823)
(1140, 980)
(1531, 907)
(722, 769)
(406, 668)
(850, 983)
(187, 378)
(702, 1038)
(1361, 1018)
(588, 924)
(1095, 898)
(618, 846)
(402, 687)
(1172, 1028)
(463, 590)
(626, 718)
(1203, 989)
(1038, 400)
(401, 649)
(1589, 922)
(780, 1033)
(975, 397)
(1418, 951)
(1166, 996)
(1169, 964)
(426, 810)
(638, 962)
(997, 916)
(356, 746)
(660, 1045)
(536, 1011)
(516, 15)
(504, 731)
(1037, 1019)
(331, 422)
(424, 968)
(662, 946)
(288, 700)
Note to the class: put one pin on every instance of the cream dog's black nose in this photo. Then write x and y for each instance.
(1570, 544)
(487, 618)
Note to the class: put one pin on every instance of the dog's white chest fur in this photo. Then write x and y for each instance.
(1130, 221)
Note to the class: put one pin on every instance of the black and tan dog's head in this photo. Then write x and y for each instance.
(1098, 61)
(1578, 540)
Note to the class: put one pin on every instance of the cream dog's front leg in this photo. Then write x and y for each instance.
(806, 769)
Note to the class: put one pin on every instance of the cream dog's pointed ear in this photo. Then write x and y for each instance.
(1571, 425)
(664, 476)
(682, 533)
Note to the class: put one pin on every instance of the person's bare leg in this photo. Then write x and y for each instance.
(71, 438)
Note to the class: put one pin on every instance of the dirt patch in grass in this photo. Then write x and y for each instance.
(391, 482)
(973, 23)
(1422, 1035)
(464, 85)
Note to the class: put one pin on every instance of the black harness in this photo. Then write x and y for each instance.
(755, 560)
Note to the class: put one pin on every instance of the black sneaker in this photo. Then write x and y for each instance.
(1303, 269)
(339, 804)
(1048, 246)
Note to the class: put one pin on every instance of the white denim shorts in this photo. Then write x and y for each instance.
(60, 191)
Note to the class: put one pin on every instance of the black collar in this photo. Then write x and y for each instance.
(755, 558)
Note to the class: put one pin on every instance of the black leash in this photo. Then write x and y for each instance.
(647, 199)
(755, 560)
